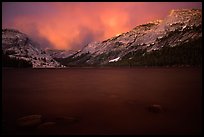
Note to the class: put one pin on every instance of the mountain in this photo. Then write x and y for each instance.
(18, 50)
(175, 40)
(55, 53)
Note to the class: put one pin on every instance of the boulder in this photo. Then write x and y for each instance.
(47, 125)
(63, 120)
(29, 121)
(155, 108)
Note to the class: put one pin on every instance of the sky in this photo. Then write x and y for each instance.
(72, 25)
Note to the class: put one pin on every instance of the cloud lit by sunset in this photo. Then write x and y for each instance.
(73, 25)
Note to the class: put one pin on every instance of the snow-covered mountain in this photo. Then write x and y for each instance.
(181, 27)
(175, 40)
(55, 53)
(19, 47)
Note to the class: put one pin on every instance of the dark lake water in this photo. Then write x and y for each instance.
(105, 100)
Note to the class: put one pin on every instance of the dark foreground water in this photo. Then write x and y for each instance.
(105, 100)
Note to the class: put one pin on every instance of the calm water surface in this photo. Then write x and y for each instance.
(106, 100)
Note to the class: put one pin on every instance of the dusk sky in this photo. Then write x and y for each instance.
(72, 25)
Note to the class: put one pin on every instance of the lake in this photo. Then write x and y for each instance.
(104, 100)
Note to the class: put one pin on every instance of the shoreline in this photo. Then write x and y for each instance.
(181, 66)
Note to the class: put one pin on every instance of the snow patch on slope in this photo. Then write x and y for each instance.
(114, 60)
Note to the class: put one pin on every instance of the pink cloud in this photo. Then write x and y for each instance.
(72, 25)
